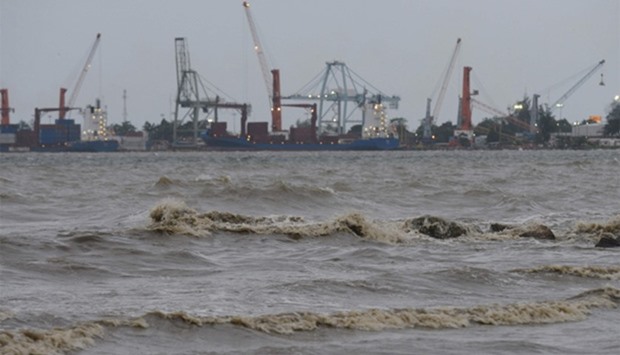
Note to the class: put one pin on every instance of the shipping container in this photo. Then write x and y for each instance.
(48, 135)
(258, 128)
(218, 128)
(9, 128)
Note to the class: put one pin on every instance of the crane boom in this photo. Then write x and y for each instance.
(446, 79)
(80, 80)
(258, 47)
(570, 91)
(503, 115)
(273, 86)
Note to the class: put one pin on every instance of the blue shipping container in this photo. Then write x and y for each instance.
(9, 128)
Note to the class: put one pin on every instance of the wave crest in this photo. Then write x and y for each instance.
(4, 315)
(612, 226)
(174, 217)
(598, 272)
(573, 309)
(164, 181)
(52, 341)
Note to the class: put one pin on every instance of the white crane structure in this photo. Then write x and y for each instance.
(429, 118)
(560, 102)
(272, 82)
(80, 81)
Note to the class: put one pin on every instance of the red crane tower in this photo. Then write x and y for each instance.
(4, 108)
(466, 102)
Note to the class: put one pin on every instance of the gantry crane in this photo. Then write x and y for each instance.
(429, 118)
(78, 84)
(334, 88)
(273, 86)
(192, 96)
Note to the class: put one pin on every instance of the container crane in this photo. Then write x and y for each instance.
(273, 87)
(334, 88)
(559, 102)
(193, 99)
(74, 93)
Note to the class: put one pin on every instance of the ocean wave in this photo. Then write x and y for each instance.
(329, 285)
(52, 341)
(612, 226)
(85, 237)
(277, 191)
(598, 272)
(11, 196)
(4, 315)
(544, 312)
(165, 181)
(174, 217)
(220, 179)
(64, 265)
(592, 232)
(85, 334)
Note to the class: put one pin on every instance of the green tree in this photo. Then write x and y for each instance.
(493, 135)
(444, 132)
(546, 126)
(488, 127)
(523, 112)
(162, 131)
(123, 128)
(564, 126)
(612, 128)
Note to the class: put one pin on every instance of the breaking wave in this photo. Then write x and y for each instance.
(612, 226)
(573, 309)
(174, 217)
(4, 315)
(68, 339)
(52, 341)
(598, 272)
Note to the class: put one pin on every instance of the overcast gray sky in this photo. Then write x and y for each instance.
(400, 46)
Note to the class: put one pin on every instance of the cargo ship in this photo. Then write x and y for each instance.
(64, 135)
(255, 136)
(227, 142)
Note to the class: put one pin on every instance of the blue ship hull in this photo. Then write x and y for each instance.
(94, 146)
(79, 146)
(235, 143)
